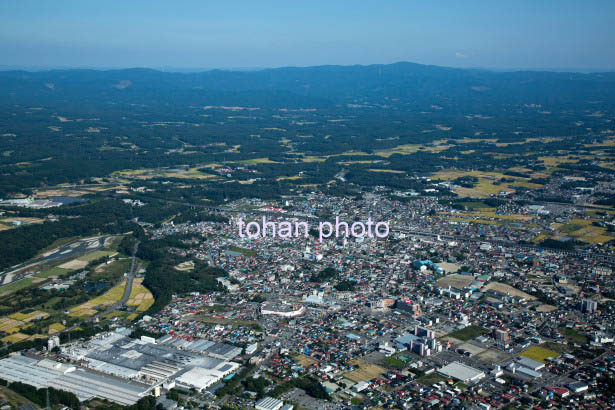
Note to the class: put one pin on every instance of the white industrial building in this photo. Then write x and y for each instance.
(516, 368)
(530, 363)
(250, 349)
(121, 369)
(83, 383)
(201, 378)
(461, 372)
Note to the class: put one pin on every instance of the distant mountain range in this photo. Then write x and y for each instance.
(398, 85)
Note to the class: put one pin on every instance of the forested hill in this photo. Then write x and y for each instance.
(65, 126)
(400, 84)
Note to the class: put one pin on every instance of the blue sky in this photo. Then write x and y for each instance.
(502, 34)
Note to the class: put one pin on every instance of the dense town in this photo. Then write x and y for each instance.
(443, 312)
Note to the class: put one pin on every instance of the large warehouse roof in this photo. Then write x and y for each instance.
(460, 371)
(84, 384)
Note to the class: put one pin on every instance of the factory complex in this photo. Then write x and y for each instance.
(115, 367)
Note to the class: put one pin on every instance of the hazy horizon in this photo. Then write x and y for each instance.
(248, 69)
(551, 35)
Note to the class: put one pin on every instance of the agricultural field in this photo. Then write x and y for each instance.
(15, 338)
(55, 328)
(91, 307)
(180, 172)
(488, 182)
(140, 296)
(13, 222)
(15, 323)
(584, 230)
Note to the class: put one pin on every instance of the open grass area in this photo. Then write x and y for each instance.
(455, 280)
(574, 336)
(18, 285)
(243, 251)
(539, 354)
(56, 272)
(468, 333)
(393, 363)
(557, 347)
(508, 290)
(111, 271)
(95, 255)
(430, 379)
(304, 360)
(364, 371)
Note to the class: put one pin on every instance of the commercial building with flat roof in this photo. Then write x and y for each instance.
(461, 372)
(201, 378)
(530, 363)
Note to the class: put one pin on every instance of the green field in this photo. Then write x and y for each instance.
(539, 354)
(53, 272)
(573, 335)
(557, 347)
(243, 251)
(95, 255)
(393, 363)
(112, 271)
(17, 285)
(469, 333)
(429, 379)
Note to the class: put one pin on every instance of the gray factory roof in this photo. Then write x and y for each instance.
(82, 383)
(224, 350)
(269, 403)
(136, 355)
